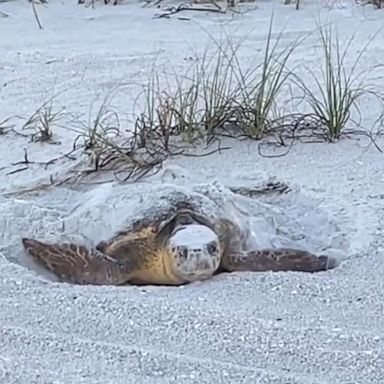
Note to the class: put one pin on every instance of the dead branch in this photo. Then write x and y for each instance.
(45, 164)
(183, 7)
(37, 188)
(35, 13)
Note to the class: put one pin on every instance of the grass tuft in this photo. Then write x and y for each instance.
(258, 106)
(43, 121)
(101, 139)
(5, 126)
(217, 97)
(335, 96)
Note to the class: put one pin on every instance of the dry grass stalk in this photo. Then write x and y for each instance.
(43, 121)
(336, 97)
(5, 126)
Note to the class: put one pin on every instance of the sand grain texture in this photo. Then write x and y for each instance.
(239, 328)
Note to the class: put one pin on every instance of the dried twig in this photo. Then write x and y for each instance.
(37, 188)
(45, 164)
(92, 2)
(183, 7)
(35, 13)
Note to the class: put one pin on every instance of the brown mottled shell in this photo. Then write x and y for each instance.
(147, 228)
(143, 246)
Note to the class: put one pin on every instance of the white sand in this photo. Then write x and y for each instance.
(238, 328)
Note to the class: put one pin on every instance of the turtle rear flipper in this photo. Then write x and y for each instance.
(76, 264)
(281, 259)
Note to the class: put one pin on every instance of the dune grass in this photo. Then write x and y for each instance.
(218, 96)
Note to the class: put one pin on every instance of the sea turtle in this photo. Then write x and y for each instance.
(179, 247)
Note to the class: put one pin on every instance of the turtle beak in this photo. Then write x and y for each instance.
(184, 219)
(197, 256)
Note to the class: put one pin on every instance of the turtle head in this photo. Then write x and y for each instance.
(195, 248)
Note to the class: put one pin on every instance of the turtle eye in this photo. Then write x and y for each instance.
(212, 247)
(183, 252)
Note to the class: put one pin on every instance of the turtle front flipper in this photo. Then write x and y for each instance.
(76, 264)
(281, 259)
